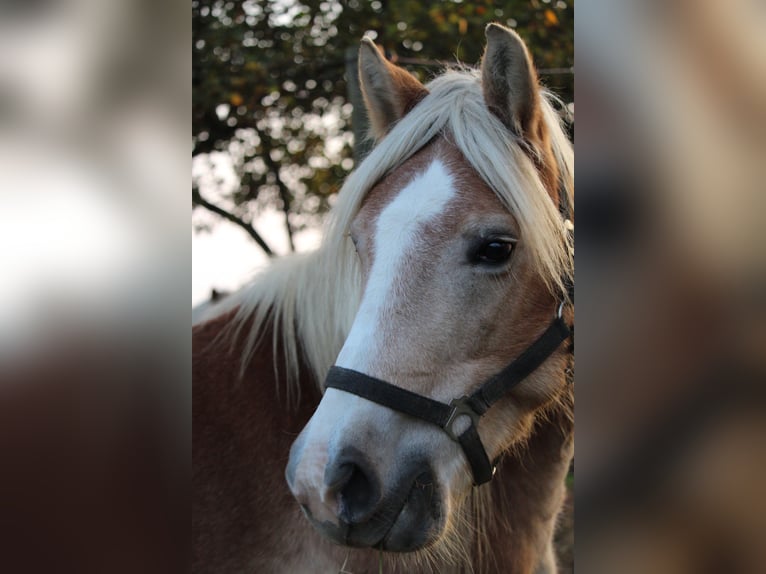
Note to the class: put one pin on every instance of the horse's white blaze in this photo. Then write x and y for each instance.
(341, 414)
(420, 202)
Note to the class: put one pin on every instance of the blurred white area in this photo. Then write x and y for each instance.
(93, 165)
(67, 240)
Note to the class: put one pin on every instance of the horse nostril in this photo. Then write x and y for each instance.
(358, 488)
(358, 495)
(337, 476)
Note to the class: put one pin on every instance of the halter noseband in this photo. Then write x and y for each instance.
(474, 406)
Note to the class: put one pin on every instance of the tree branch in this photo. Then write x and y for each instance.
(197, 199)
(284, 192)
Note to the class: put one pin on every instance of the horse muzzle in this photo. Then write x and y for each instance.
(352, 506)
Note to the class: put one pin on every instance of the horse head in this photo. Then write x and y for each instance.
(461, 250)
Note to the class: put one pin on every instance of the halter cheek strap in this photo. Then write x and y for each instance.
(473, 406)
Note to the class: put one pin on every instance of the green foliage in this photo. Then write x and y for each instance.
(269, 86)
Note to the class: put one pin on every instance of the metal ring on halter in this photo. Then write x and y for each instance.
(560, 310)
(460, 407)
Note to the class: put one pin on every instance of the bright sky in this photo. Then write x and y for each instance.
(227, 257)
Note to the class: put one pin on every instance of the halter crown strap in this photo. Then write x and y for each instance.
(473, 406)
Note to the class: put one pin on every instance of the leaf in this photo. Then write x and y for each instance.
(550, 18)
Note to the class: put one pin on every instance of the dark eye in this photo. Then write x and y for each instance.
(493, 252)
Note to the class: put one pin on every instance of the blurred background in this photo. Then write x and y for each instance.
(94, 292)
(94, 286)
(671, 334)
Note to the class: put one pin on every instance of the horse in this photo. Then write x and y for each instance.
(445, 261)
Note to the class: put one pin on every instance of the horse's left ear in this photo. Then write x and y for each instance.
(389, 91)
(509, 82)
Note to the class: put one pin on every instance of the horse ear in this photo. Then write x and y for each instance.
(389, 91)
(509, 82)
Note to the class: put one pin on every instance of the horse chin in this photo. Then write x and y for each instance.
(419, 523)
(406, 523)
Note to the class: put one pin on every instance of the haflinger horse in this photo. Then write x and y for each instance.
(400, 400)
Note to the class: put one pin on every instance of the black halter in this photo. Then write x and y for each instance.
(474, 406)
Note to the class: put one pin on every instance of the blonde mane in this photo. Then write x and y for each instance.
(312, 298)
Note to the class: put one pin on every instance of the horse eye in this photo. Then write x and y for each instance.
(493, 252)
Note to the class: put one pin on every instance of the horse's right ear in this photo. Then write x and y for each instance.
(389, 91)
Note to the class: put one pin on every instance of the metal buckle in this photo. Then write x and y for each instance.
(460, 407)
(560, 310)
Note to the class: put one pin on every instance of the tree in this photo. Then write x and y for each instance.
(270, 100)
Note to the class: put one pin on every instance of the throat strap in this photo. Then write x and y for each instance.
(474, 406)
(533, 356)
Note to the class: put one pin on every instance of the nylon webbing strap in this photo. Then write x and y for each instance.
(388, 395)
(481, 467)
(534, 356)
(417, 406)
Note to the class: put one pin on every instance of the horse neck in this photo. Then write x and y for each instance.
(527, 495)
(242, 431)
